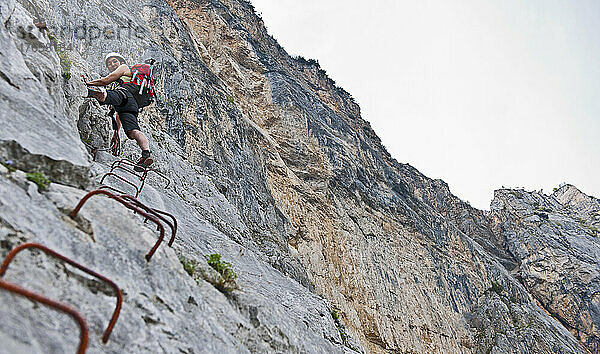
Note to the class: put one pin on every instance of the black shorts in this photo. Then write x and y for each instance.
(126, 106)
(129, 121)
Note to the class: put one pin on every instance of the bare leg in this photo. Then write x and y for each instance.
(140, 138)
(118, 121)
(146, 160)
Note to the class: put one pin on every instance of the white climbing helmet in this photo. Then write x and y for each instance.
(114, 55)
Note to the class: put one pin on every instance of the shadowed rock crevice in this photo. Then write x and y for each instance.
(4, 77)
(94, 285)
(60, 171)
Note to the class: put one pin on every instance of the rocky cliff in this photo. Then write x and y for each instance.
(554, 238)
(337, 246)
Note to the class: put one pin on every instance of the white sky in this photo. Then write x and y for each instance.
(481, 94)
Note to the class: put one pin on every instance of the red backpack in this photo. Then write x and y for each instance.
(144, 83)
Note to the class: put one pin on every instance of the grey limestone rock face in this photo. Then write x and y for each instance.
(35, 133)
(555, 239)
(164, 309)
(392, 249)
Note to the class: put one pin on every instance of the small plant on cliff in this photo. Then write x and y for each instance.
(87, 140)
(39, 179)
(497, 288)
(190, 266)
(223, 268)
(335, 315)
(65, 62)
(343, 334)
(221, 276)
(9, 166)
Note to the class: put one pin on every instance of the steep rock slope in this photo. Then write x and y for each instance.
(555, 239)
(164, 309)
(368, 229)
(271, 166)
(32, 87)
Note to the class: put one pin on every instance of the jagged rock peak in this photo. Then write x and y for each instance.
(556, 242)
(569, 195)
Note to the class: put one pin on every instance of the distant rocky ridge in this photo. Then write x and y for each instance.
(555, 239)
(337, 246)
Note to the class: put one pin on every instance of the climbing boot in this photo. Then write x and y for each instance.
(96, 92)
(144, 162)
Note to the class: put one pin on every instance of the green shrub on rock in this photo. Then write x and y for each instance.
(226, 279)
(189, 265)
(65, 62)
(219, 274)
(39, 179)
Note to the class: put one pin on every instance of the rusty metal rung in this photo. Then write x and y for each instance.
(116, 165)
(157, 213)
(146, 170)
(121, 165)
(112, 189)
(11, 255)
(130, 171)
(163, 176)
(123, 179)
(128, 205)
(174, 230)
(83, 329)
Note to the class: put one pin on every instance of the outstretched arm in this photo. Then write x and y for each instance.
(112, 77)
